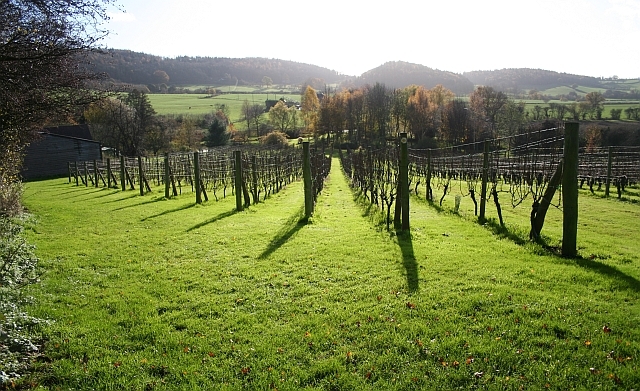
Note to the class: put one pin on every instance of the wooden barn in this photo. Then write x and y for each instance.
(48, 156)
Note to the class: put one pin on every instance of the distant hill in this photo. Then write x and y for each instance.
(138, 68)
(515, 79)
(399, 74)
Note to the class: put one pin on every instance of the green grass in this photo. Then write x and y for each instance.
(201, 104)
(147, 293)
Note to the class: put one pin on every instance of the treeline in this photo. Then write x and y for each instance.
(399, 74)
(516, 79)
(374, 115)
(139, 68)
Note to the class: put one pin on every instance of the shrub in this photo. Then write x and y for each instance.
(10, 198)
(17, 270)
(275, 139)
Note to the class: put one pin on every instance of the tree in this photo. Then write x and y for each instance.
(252, 114)
(157, 136)
(615, 114)
(218, 135)
(456, 123)
(310, 108)
(282, 117)
(161, 76)
(122, 122)
(267, 81)
(41, 47)
(188, 136)
(487, 102)
(595, 100)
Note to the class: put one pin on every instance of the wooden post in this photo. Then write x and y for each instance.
(370, 164)
(86, 174)
(570, 190)
(166, 176)
(77, 174)
(609, 164)
(109, 173)
(196, 173)
(485, 179)
(140, 176)
(404, 180)
(95, 172)
(254, 178)
(69, 170)
(123, 182)
(306, 173)
(238, 180)
(429, 192)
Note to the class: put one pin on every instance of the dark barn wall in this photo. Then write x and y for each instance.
(48, 156)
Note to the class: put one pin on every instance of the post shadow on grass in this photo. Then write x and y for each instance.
(504, 232)
(606, 270)
(408, 259)
(151, 201)
(166, 212)
(212, 220)
(293, 224)
(81, 193)
(134, 195)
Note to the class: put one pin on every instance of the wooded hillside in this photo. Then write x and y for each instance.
(399, 74)
(140, 68)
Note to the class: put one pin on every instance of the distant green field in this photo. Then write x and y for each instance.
(198, 104)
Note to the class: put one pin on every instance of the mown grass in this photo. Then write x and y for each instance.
(147, 293)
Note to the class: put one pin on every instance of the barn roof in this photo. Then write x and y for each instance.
(75, 131)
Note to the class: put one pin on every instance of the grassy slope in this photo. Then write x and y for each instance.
(149, 293)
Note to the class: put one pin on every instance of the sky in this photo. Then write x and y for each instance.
(585, 37)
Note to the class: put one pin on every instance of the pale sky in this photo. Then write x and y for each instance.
(584, 37)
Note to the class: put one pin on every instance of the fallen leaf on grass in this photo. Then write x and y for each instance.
(606, 329)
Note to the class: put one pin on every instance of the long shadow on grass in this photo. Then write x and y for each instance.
(610, 271)
(219, 217)
(408, 259)
(157, 199)
(80, 193)
(134, 195)
(166, 212)
(288, 231)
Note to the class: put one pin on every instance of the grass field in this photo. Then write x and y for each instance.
(146, 293)
(201, 104)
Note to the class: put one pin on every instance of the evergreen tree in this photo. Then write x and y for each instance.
(218, 134)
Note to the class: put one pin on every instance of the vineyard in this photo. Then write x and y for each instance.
(251, 174)
(524, 169)
(173, 293)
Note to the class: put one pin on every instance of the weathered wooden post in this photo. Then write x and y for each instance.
(254, 178)
(77, 174)
(140, 176)
(196, 173)
(429, 192)
(570, 190)
(238, 180)
(69, 171)
(108, 173)
(95, 172)
(485, 179)
(609, 164)
(404, 180)
(370, 164)
(306, 173)
(86, 174)
(166, 176)
(123, 182)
